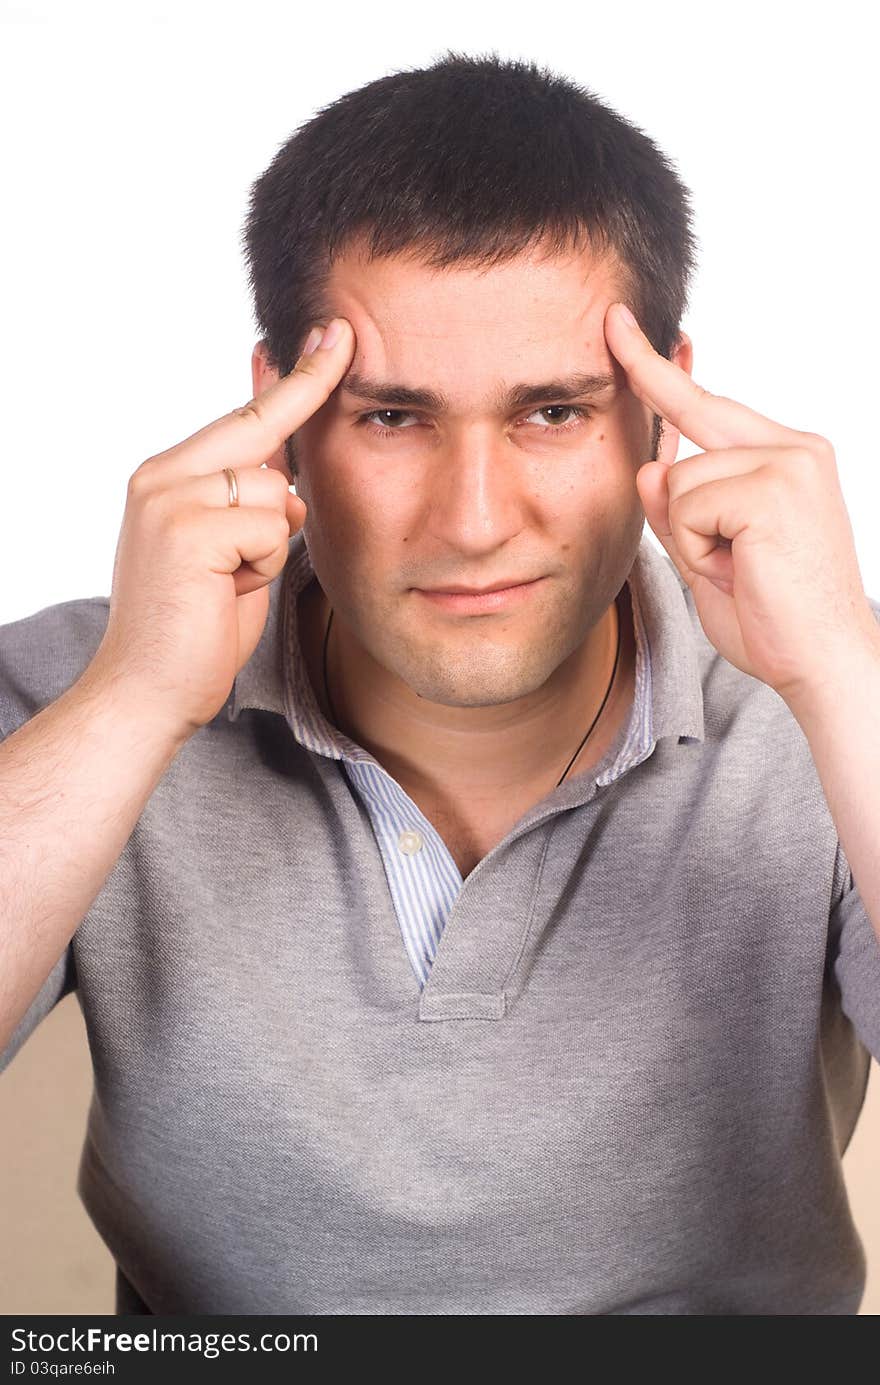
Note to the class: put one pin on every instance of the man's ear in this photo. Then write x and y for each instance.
(682, 356)
(262, 376)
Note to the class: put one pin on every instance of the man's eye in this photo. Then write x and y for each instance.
(580, 412)
(385, 413)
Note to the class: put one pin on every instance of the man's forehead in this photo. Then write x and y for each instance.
(395, 290)
(519, 324)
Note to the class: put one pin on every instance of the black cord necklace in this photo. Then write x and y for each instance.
(602, 707)
(580, 747)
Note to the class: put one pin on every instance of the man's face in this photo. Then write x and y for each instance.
(480, 489)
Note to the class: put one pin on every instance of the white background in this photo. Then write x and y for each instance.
(131, 135)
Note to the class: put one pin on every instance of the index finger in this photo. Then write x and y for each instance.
(252, 433)
(709, 420)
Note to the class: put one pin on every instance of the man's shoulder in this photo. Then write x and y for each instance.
(725, 686)
(757, 750)
(42, 654)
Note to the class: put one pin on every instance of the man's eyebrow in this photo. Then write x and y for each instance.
(577, 386)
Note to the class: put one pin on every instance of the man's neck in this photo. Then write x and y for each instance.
(478, 766)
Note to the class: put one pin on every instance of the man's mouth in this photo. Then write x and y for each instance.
(461, 601)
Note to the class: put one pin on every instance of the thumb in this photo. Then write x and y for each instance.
(651, 484)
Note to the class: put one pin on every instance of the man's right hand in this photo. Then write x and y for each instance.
(191, 575)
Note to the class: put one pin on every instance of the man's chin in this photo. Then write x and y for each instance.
(468, 687)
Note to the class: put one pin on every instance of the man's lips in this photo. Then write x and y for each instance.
(487, 600)
(481, 591)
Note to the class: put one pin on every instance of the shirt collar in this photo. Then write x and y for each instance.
(275, 679)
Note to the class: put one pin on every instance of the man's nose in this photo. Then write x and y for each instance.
(480, 490)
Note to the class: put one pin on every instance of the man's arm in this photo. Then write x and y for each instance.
(841, 721)
(73, 782)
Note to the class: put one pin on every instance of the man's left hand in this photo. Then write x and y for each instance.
(756, 525)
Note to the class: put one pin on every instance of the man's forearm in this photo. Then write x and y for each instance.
(842, 726)
(73, 782)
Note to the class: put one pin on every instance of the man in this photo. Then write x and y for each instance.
(476, 954)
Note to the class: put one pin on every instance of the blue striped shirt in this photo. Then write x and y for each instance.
(423, 878)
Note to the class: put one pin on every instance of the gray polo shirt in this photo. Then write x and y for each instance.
(612, 1071)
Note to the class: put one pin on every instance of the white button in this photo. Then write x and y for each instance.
(410, 842)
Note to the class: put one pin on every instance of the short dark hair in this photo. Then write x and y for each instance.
(470, 161)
